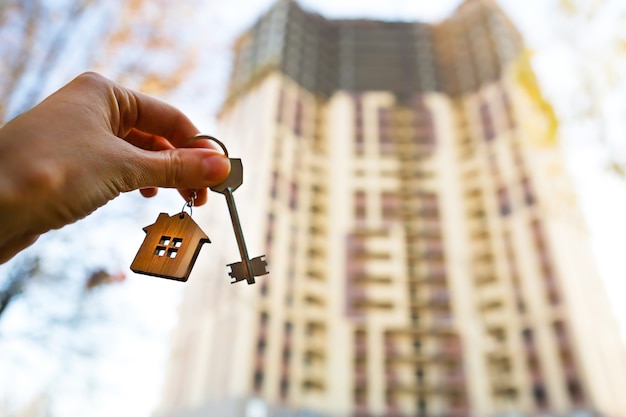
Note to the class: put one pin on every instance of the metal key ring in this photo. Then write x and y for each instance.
(189, 204)
(202, 136)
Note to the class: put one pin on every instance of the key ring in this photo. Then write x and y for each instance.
(194, 193)
(189, 203)
(202, 136)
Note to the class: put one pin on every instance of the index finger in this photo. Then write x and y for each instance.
(150, 115)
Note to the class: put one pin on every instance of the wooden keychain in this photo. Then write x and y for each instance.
(173, 243)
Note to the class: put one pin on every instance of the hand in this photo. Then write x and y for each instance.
(87, 143)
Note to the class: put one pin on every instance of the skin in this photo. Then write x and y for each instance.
(87, 143)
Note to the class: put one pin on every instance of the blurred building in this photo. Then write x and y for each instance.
(427, 255)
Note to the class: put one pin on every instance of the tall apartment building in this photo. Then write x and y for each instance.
(427, 256)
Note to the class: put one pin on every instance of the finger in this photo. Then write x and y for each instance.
(149, 192)
(149, 115)
(185, 169)
(16, 245)
(128, 109)
(147, 141)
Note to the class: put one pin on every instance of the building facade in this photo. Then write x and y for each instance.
(426, 254)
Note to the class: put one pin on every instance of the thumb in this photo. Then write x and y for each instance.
(182, 168)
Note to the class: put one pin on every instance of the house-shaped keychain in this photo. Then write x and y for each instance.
(170, 248)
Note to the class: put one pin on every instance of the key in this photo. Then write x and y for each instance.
(248, 268)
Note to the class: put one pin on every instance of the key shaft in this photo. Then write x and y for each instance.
(241, 243)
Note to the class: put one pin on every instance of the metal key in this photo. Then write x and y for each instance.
(248, 268)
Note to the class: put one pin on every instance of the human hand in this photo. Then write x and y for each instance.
(87, 143)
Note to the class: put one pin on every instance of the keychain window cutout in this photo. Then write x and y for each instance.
(169, 244)
(171, 259)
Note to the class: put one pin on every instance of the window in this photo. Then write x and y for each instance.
(264, 318)
(168, 247)
(575, 391)
(359, 137)
(284, 387)
(424, 127)
(360, 205)
(298, 122)
(384, 132)
(286, 355)
(258, 380)
(281, 106)
(422, 407)
(529, 198)
(539, 393)
(390, 205)
(420, 374)
(487, 122)
(504, 204)
(508, 109)
(390, 399)
(417, 345)
(527, 335)
(293, 196)
(274, 184)
(261, 346)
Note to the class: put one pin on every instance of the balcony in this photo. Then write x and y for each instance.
(453, 382)
(315, 289)
(488, 295)
(427, 331)
(484, 274)
(435, 298)
(318, 240)
(495, 316)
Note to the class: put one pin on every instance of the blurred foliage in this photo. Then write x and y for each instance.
(138, 47)
(58, 290)
(139, 43)
(544, 135)
(147, 49)
(15, 282)
(594, 31)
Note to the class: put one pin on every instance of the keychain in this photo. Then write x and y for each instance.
(173, 243)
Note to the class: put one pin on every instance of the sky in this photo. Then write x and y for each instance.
(153, 302)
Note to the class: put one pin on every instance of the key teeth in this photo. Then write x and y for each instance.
(235, 279)
(238, 275)
(259, 267)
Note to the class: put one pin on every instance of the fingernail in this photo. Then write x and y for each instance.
(216, 167)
